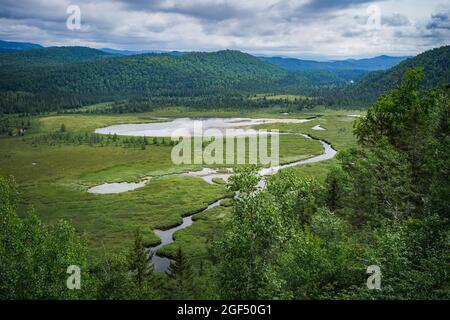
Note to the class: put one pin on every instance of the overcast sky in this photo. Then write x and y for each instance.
(320, 29)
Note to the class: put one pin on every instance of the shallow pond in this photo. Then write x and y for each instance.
(185, 127)
(119, 187)
(318, 127)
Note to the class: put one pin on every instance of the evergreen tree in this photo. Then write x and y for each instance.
(180, 285)
(140, 260)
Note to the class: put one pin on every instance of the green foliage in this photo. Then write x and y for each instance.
(113, 281)
(34, 256)
(373, 184)
(395, 183)
(14, 125)
(249, 250)
(62, 137)
(394, 116)
(141, 268)
(385, 204)
(298, 197)
(245, 179)
(228, 202)
(414, 258)
(417, 129)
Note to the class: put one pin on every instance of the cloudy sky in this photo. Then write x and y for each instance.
(320, 29)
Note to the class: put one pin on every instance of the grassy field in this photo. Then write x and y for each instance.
(108, 221)
(54, 179)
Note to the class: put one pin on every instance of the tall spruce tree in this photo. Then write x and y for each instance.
(180, 274)
(140, 260)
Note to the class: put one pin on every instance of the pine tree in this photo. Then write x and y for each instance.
(140, 260)
(180, 274)
(333, 188)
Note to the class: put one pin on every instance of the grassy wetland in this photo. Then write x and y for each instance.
(54, 176)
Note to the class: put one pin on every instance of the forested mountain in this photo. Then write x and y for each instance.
(436, 64)
(14, 46)
(83, 73)
(56, 78)
(372, 64)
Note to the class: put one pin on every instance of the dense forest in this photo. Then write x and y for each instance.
(67, 78)
(385, 203)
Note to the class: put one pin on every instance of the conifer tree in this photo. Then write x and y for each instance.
(140, 260)
(180, 274)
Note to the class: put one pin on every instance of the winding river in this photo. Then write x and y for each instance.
(164, 129)
(161, 264)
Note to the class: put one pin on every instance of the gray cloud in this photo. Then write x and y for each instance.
(354, 33)
(395, 20)
(305, 28)
(208, 10)
(327, 5)
(439, 21)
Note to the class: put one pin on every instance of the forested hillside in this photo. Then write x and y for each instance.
(49, 79)
(190, 74)
(436, 64)
(82, 74)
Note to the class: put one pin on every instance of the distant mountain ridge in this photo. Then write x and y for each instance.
(139, 52)
(382, 62)
(15, 46)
